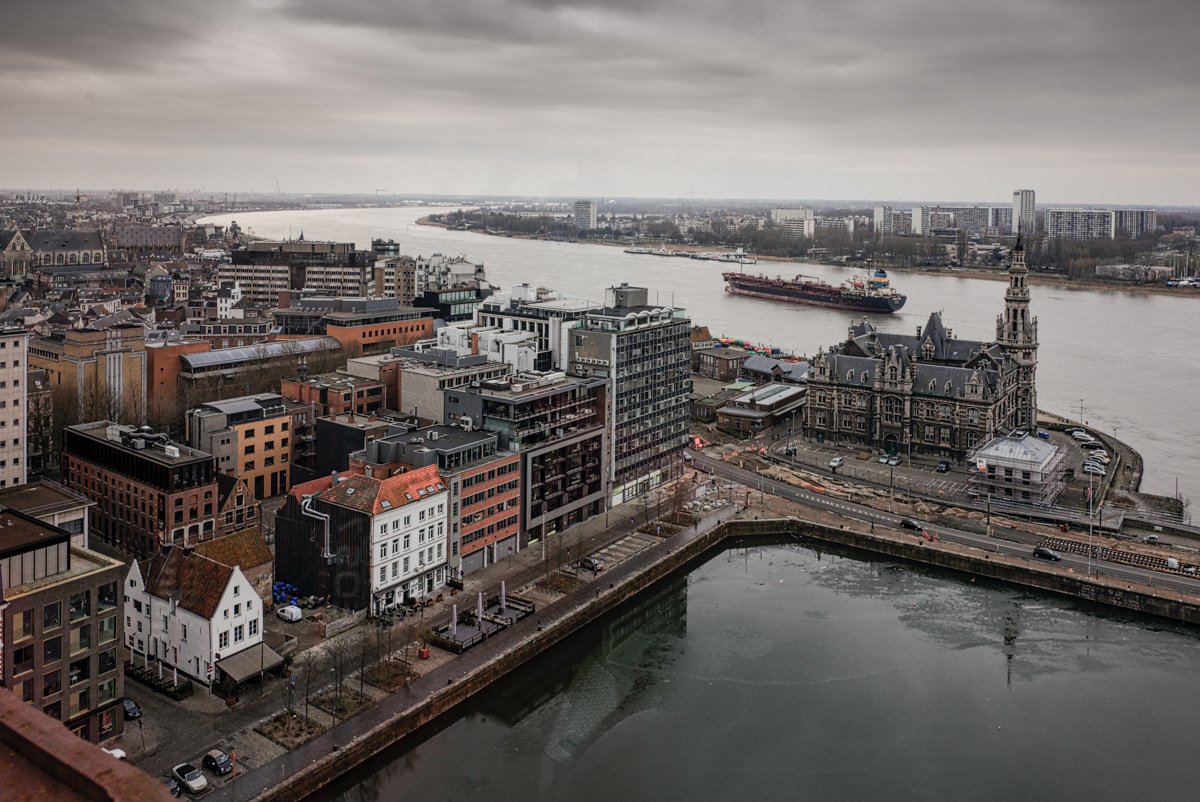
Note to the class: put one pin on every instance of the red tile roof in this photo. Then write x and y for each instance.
(376, 496)
(245, 549)
(200, 580)
(318, 485)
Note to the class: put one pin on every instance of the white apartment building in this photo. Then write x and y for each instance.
(1024, 212)
(193, 614)
(585, 214)
(798, 223)
(259, 283)
(1080, 224)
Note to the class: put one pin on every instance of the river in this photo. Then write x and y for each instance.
(790, 671)
(1121, 361)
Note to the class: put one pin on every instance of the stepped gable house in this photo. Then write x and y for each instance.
(928, 393)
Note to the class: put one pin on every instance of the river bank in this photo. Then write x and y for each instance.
(306, 770)
(997, 273)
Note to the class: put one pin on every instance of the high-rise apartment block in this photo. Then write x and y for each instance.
(1100, 223)
(585, 215)
(1024, 212)
(644, 351)
(798, 223)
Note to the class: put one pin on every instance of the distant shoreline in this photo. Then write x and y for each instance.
(993, 274)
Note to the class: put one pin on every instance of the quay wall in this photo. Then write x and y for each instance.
(557, 621)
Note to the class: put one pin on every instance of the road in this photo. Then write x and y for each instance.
(1016, 543)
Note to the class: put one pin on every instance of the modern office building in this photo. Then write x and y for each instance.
(249, 437)
(557, 423)
(547, 314)
(60, 626)
(1024, 212)
(644, 351)
(148, 490)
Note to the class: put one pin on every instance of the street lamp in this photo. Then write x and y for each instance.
(891, 487)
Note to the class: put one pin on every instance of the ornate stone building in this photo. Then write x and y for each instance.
(930, 393)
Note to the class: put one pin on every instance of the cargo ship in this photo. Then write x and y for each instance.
(867, 293)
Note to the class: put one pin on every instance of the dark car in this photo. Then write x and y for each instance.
(172, 787)
(131, 708)
(1047, 554)
(943, 466)
(909, 523)
(217, 761)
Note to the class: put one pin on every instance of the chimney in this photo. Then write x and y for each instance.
(333, 478)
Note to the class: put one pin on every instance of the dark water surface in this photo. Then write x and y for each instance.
(783, 671)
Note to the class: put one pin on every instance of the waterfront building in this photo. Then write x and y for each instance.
(192, 614)
(889, 221)
(585, 215)
(148, 490)
(441, 272)
(644, 352)
(484, 484)
(721, 363)
(1137, 223)
(971, 219)
(106, 369)
(796, 223)
(1018, 467)
(1024, 212)
(930, 393)
(557, 423)
(760, 408)
(366, 542)
(248, 436)
(60, 629)
(1080, 224)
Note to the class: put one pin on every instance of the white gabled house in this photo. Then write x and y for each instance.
(196, 616)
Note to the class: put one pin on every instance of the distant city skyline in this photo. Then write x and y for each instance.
(1085, 103)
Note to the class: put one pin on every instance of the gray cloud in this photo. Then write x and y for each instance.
(1088, 101)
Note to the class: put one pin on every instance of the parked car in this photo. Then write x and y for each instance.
(290, 612)
(1092, 445)
(910, 523)
(172, 787)
(1073, 431)
(217, 762)
(132, 710)
(884, 459)
(893, 460)
(1044, 435)
(1082, 436)
(190, 777)
(1094, 469)
(119, 754)
(1047, 554)
(593, 564)
(943, 466)
(836, 463)
(1099, 456)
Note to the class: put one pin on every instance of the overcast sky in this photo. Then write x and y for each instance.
(1086, 101)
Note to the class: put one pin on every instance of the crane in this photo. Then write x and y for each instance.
(78, 198)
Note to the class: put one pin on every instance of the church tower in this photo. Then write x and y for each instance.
(1016, 331)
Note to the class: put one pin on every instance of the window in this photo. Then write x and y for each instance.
(23, 625)
(223, 640)
(23, 659)
(237, 609)
(81, 639)
(166, 622)
(79, 702)
(239, 633)
(382, 574)
(107, 629)
(51, 682)
(107, 661)
(253, 627)
(79, 671)
(106, 598)
(106, 691)
(81, 605)
(51, 650)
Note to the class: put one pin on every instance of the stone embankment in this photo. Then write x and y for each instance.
(302, 772)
